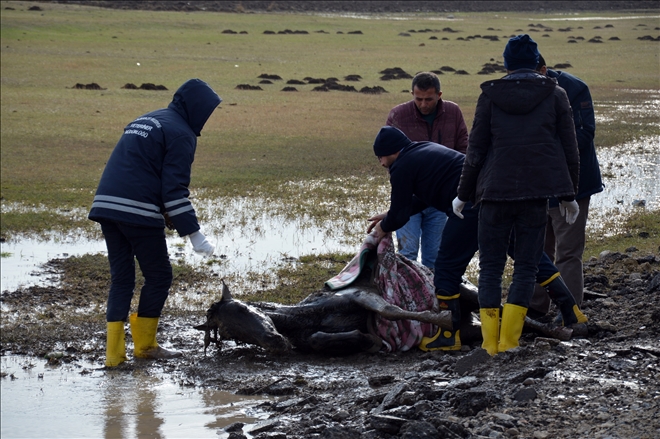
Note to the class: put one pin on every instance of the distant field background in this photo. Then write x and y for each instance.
(56, 139)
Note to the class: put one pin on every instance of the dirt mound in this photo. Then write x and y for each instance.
(92, 86)
(145, 86)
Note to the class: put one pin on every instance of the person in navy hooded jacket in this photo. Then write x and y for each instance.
(144, 187)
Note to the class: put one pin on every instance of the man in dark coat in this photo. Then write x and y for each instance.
(424, 174)
(144, 185)
(522, 151)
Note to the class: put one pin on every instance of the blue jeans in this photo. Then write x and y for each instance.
(146, 244)
(428, 225)
(457, 248)
(497, 220)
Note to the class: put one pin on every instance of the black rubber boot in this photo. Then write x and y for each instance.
(562, 297)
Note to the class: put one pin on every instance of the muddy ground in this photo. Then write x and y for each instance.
(603, 385)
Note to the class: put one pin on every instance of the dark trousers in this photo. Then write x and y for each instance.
(457, 248)
(546, 268)
(126, 243)
(497, 220)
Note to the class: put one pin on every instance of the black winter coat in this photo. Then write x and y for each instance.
(425, 174)
(522, 145)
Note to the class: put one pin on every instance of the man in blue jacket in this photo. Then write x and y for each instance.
(144, 187)
(564, 243)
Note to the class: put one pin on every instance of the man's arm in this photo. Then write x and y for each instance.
(567, 136)
(479, 143)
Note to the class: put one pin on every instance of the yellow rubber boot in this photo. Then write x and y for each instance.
(513, 319)
(490, 329)
(115, 346)
(444, 339)
(143, 330)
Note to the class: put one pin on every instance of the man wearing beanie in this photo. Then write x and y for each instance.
(424, 174)
(564, 243)
(522, 151)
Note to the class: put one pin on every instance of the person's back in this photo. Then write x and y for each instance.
(149, 168)
(513, 145)
(522, 151)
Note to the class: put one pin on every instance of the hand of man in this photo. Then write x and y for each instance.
(374, 221)
(200, 244)
(570, 210)
(458, 205)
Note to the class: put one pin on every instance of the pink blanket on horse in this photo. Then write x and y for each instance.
(401, 282)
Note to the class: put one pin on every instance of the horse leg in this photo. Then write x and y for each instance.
(377, 304)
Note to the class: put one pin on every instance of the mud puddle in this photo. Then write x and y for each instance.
(79, 399)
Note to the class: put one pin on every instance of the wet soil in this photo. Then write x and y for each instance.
(602, 385)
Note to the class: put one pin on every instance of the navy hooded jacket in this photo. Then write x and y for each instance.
(579, 96)
(148, 172)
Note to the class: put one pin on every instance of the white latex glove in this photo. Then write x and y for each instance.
(458, 206)
(200, 244)
(570, 210)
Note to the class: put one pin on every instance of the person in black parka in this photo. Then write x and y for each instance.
(144, 187)
(522, 151)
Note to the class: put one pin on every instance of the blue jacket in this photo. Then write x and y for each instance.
(148, 172)
(585, 128)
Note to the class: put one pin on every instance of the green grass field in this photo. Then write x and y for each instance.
(56, 139)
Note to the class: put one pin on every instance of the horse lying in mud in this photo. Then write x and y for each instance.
(338, 322)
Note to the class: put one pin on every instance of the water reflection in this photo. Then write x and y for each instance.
(81, 400)
(138, 402)
(630, 174)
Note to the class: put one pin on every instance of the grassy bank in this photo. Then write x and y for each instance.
(56, 139)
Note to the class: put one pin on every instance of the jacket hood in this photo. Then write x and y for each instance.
(195, 101)
(519, 93)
